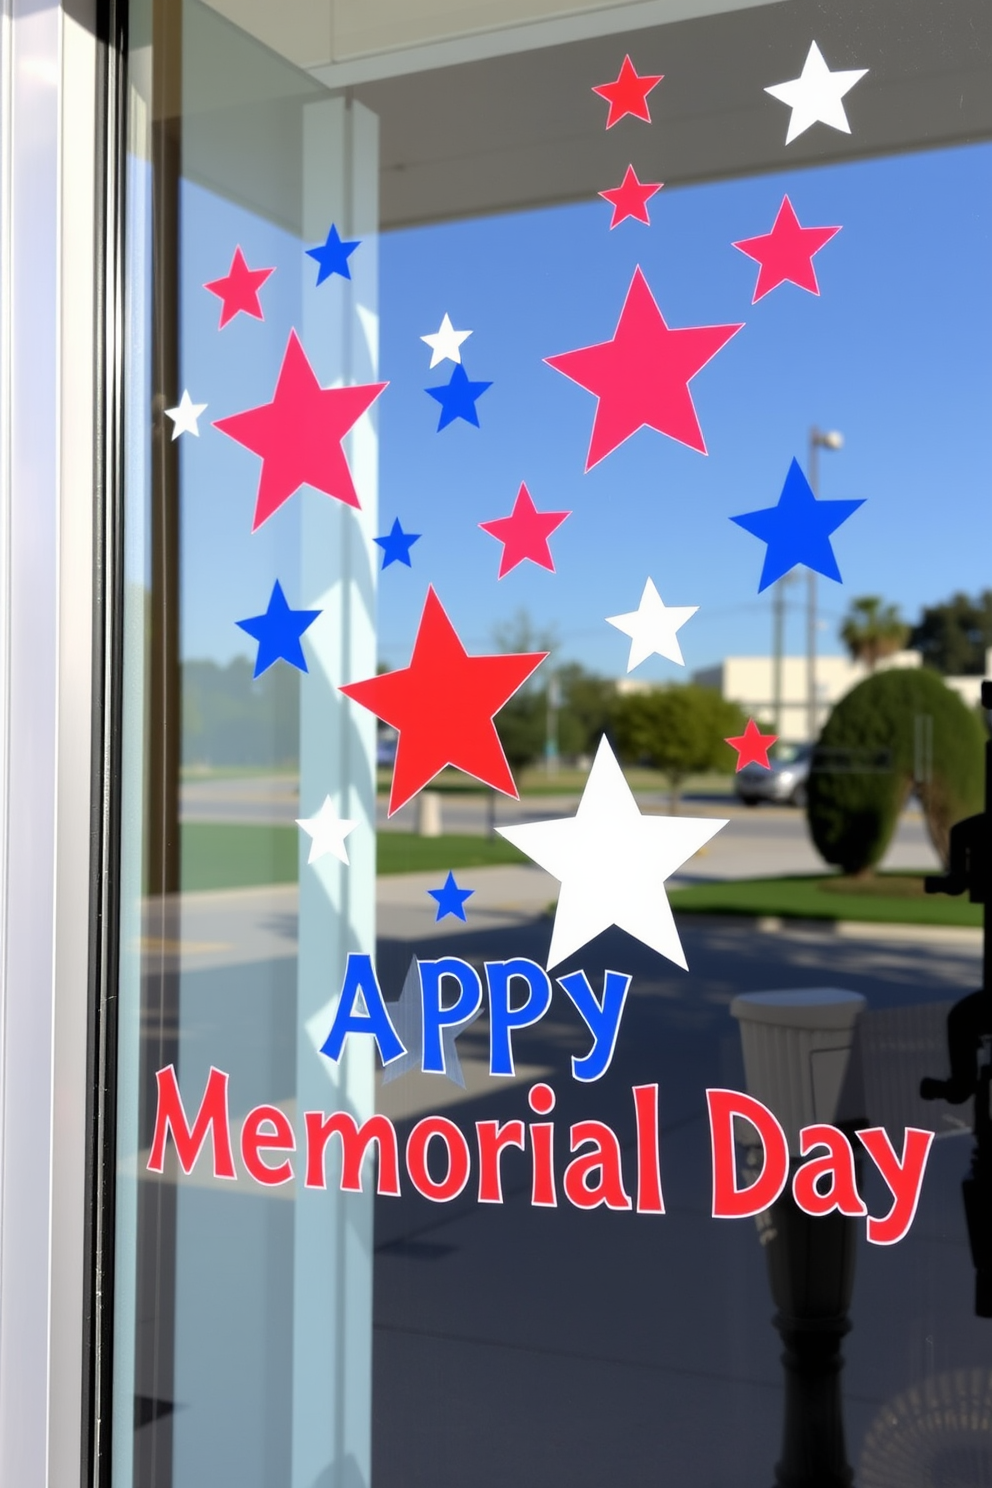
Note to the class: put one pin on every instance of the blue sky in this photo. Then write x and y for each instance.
(895, 353)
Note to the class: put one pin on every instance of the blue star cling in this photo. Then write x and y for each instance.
(797, 529)
(333, 254)
(396, 545)
(278, 632)
(458, 398)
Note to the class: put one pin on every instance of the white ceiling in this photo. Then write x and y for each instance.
(474, 121)
(347, 41)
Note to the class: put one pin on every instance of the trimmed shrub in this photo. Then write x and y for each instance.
(864, 768)
(679, 730)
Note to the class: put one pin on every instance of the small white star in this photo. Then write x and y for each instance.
(612, 863)
(185, 415)
(815, 96)
(327, 832)
(652, 627)
(445, 341)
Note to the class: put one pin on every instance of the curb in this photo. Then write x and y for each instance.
(969, 936)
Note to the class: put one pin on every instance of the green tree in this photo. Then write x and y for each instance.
(872, 630)
(866, 763)
(679, 730)
(953, 637)
(522, 724)
(522, 721)
(587, 706)
(231, 718)
(520, 634)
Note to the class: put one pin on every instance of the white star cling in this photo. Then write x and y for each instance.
(612, 863)
(815, 95)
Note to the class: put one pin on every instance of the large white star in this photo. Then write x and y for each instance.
(652, 627)
(445, 341)
(327, 832)
(612, 863)
(185, 415)
(815, 96)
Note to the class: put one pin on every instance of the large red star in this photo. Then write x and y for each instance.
(642, 376)
(239, 289)
(299, 434)
(628, 94)
(630, 198)
(786, 253)
(752, 746)
(443, 705)
(524, 533)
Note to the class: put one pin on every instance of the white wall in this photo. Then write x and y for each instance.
(748, 680)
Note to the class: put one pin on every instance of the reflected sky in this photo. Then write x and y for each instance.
(894, 353)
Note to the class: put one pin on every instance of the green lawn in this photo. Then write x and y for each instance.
(403, 852)
(233, 856)
(222, 855)
(895, 898)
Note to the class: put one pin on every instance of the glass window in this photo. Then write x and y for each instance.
(549, 435)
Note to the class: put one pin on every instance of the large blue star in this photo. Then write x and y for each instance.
(278, 632)
(458, 398)
(797, 530)
(396, 545)
(333, 256)
(450, 899)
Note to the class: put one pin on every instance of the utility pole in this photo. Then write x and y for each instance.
(551, 725)
(778, 651)
(817, 441)
(778, 637)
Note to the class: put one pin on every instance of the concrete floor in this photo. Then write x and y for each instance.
(545, 1346)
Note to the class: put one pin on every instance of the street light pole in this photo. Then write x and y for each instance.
(778, 641)
(817, 440)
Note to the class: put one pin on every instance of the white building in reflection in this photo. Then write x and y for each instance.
(748, 680)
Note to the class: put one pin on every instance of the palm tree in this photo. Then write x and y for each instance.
(873, 630)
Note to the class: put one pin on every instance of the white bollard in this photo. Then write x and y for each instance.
(429, 814)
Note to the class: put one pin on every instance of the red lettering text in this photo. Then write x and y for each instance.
(729, 1201)
(355, 1140)
(458, 1159)
(212, 1116)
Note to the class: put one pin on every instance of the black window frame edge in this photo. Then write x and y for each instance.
(105, 825)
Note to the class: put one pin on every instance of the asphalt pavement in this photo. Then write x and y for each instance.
(603, 1347)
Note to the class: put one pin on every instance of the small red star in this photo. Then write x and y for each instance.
(443, 705)
(239, 289)
(524, 533)
(299, 434)
(786, 253)
(752, 746)
(642, 376)
(630, 198)
(629, 94)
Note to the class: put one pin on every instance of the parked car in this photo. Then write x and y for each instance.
(784, 782)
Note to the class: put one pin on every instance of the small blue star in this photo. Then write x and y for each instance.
(797, 530)
(457, 398)
(396, 545)
(278, 632)
(333, 256)
(450, 899)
